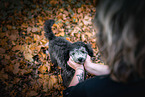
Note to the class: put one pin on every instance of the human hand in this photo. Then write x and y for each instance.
(88, 61)
(89, 66)
(94, 68)
(74, 65)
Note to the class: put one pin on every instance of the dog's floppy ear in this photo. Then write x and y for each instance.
(89, 49)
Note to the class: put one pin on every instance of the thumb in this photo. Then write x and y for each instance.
(88, 58)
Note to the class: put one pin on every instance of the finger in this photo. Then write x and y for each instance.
(88, 58)
(69, 64)
(70, 60)
(72, 63)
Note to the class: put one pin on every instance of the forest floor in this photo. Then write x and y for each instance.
(25, 67)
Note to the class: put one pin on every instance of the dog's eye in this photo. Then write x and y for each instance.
(83, 51)
(72, 53)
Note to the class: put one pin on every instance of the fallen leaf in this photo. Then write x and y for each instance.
(83, 37)
(59, 78)
(24, 25)
(17, 47)
(52, 81)
(48, 66)
(28, 29)
(34, 29)
(41, 76)
(44, 41)
(53, 2)
(13, 37)
(9, 27)
(32, 93)
(79, 10)
(2, 51)
(42, 69)
(87, 20)
(60, 34)
(3, 75)
(16, 68)
(94, 45)
(23, 71)
(9, 68)
(16, 80)
(45, 86)
(28, 57)
(68, 38)
(7, 56)
(88, 34)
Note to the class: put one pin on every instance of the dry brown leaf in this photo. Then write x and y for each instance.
(37, 37)
(77, 35)
(48, 66)
(61, 9)
(53, 2)
(9, 68)
(2, 35)
(76, 30)
(42, 69)
(40, 81)
(46, 77)
(32, 93)
(45, 85)
(34, 29)
(2, 51)
(66, 12)
(83, 37)
(13, 93)
(3, 42)
(23, 71)
(79, 10)
(87, 20)
(93, 45)
(40, 22)
(74, 19)
(3, 75)
(43, 41)
(13, 37)
(24, 25)
(28, 57)
(9, 27)
(42, 55)
(59, 78)
(28, 39)
(17, 47)
(38, 48)
(28, 29)
(54, 25)
(41, 76)
(60, 34)
(16, 68)
(7, 57)
(16, 80)
(88, 34)
(52, 81)
(68, 38)
(38, 29)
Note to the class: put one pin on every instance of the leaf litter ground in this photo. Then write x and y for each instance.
(26, 69)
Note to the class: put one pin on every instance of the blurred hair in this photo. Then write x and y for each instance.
(121, 37)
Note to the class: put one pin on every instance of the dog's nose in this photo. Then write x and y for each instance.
(81, 59)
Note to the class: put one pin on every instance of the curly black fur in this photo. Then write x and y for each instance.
(59, 49)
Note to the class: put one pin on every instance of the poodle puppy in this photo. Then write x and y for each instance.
(60, 50)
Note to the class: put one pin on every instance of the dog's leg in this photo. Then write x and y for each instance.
(53, 60)
(67, 77)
